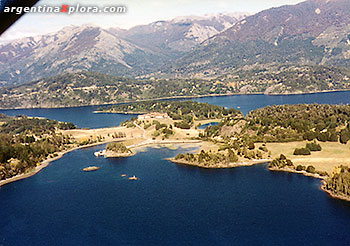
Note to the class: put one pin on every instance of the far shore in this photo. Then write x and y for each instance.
(178, 97)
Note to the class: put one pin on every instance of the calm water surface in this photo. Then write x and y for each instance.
(169, 205)
(84, 116)
(245, 103)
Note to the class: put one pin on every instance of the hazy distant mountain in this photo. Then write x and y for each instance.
(72, 49)
(312, 32)
(140, 50)
(181, 34)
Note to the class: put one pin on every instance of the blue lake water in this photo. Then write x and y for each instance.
(168, 205)
(245, 103)
(209, 124)
(85, 118)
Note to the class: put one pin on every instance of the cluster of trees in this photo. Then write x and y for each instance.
(162, 129)
(281, 162)
(301, 151)
(313, 146)
(184, 124)
(24, 124)
(118, 147)
(308, 169)
(310, 147)
(339, 181)
(249, 153)
(25, 142)
(208, 159)
(119, 135)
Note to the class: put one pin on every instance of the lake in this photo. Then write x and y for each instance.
(170, 204)
(85, 118)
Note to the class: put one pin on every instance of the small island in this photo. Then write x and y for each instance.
(117, 149)
(90, 169)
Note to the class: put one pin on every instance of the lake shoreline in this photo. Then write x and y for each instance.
(333, 194)
(47, 162)
(59, 155)
(220, 165)
(180, 97)
(313, 175)
(265, 161)
(290, 170)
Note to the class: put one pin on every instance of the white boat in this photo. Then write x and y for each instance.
(133, 178)
(100, 153)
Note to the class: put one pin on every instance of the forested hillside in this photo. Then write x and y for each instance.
(287, 123)
(25, 142)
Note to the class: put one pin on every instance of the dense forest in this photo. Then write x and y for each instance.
(287, 123)
(25, 142)
(300, 122)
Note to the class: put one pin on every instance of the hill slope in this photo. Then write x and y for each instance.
(312, 32)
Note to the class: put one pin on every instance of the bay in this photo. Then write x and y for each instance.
(168, 205)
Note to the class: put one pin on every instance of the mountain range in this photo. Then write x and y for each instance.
(309, 33)
(139, 50)
(238, 49)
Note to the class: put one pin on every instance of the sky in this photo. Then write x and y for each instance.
(138, 12)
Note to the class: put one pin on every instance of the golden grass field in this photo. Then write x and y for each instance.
(332, 154)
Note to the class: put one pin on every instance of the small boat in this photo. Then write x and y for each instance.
(133, 178)
(100, 153)
(123, 175)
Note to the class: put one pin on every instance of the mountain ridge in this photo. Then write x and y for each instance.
(309, 33)
(111, 51)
